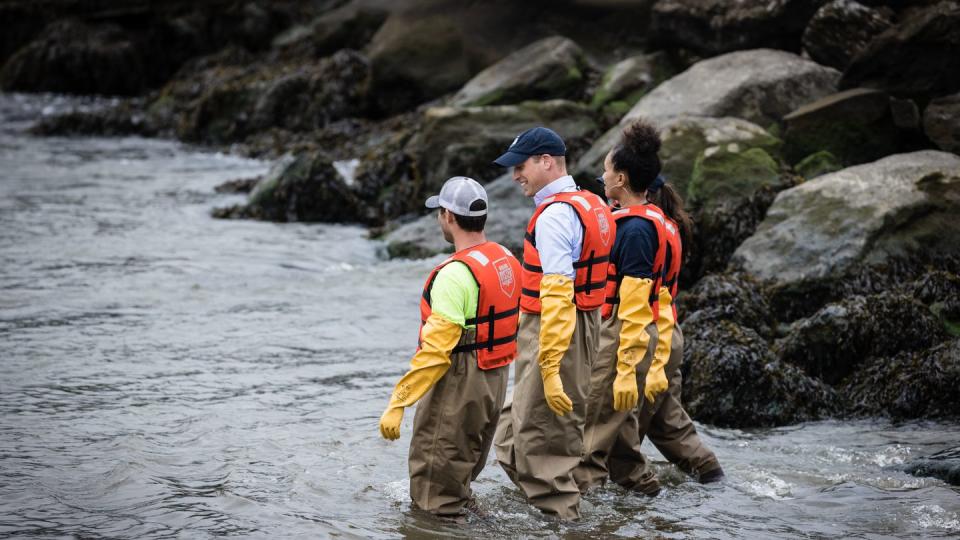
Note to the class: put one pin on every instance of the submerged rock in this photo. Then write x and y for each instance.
(908, 385)
(822, 228)
(840, 29)
(944, 465)
(551, 68)
(831, 344)
(731, 379)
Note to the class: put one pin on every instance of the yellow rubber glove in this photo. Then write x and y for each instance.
(657, 376)
(558, 320)
(428, 365)
(635, 315)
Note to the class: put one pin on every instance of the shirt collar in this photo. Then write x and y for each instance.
(564, 183)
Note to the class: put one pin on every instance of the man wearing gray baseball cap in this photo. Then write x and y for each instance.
(468, 313)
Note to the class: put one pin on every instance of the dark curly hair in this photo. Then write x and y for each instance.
(636, 155)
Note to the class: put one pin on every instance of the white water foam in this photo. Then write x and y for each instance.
(934, 516)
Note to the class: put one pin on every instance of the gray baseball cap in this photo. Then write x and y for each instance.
(458, 194)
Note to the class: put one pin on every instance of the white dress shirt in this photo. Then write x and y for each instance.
(559, 233)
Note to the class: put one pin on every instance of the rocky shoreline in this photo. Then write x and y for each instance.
(820, 164)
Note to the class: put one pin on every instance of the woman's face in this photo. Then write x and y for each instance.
(612, 180)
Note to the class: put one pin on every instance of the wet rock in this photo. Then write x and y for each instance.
(944, 465)
(239, 185)
(465, 140)
(350, 26)
(732, 379)
(626, 81)
(509, 213)
(714, 26)
(832, 343)
(127, 118)
(74, 57)
(856, 126)
(817, 164)
(731, 297)
(941, 122)
(239, 102)
(823, 228)
(840, 29)
(305, 188)
(917, 57)
(551, 68)
(911, 384)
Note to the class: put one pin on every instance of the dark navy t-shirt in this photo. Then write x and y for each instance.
(635, 247)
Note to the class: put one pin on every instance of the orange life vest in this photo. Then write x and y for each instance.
(599, 231)
(671, 274)
(496, 271)
(654, 215)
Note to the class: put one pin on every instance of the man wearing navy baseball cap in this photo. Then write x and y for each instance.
(567, 244)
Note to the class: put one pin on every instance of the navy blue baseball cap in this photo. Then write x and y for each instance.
(532, 142)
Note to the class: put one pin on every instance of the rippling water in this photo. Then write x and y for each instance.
(166, 374)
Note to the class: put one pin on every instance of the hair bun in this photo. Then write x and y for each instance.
(642, 137)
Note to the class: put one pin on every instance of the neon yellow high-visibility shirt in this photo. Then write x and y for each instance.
(454, 294)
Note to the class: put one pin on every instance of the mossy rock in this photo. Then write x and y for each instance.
(731, 173)
(817, 164)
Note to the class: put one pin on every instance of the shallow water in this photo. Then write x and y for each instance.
(167, 374)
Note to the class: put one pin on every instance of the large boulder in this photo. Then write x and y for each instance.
(941, 122)
(551, 68)
(625, 82)
(732, 379)
(917, 57)
(840, 29)
(855, 126)
(908, 385)
(831, 344)
(303, 188)
(465, 140)
(822, 228)
(509, 213)
(727, 170)
(74, 57)
(716, 26)
(761, 86)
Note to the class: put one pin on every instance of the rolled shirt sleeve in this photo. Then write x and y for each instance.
(559, 237)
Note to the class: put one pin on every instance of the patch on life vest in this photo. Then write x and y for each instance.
(604, 225)
(505, 273)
